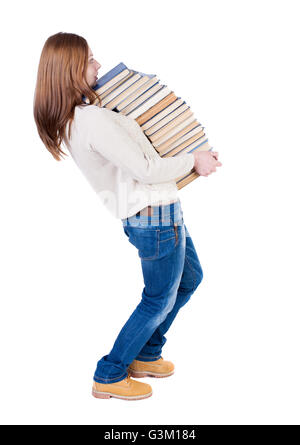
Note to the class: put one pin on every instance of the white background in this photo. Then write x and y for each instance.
(69, 277)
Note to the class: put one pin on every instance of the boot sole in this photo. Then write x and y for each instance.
(139, 374)
(108, 395)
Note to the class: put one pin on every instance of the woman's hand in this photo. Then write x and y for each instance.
(206, 162)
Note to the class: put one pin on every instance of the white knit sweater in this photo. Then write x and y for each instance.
(120, 163)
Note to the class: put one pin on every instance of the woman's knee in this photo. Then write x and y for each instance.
(169, 304)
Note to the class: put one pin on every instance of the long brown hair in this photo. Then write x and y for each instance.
(61, 83)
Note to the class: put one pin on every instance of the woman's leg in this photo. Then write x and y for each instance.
(191, 278)
(162, 254)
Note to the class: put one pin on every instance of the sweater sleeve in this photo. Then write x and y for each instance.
(111, 139)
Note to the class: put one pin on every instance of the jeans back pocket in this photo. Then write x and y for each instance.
(145, 240)
(168, 240)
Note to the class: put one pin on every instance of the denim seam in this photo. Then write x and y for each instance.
(144, 356)
(109, 380)
(193, 273)
(168, 239)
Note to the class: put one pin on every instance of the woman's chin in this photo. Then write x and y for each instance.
(93, 83)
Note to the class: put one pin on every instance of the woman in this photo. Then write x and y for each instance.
(137, 186)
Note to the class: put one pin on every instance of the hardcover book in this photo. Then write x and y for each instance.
(165, 119)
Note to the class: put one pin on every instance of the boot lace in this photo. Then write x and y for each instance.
(128, 377)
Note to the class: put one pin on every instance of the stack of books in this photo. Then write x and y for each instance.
(166, 120)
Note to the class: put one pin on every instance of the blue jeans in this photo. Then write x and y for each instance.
(171, 271)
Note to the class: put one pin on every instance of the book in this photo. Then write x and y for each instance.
(165, 119)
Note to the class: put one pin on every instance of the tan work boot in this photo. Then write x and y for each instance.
(126, 389)
(157, 368)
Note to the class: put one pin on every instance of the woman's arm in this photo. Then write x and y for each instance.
(108, 136)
